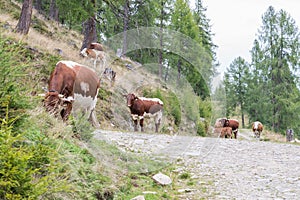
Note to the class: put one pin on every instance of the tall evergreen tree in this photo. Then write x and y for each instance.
(258, 92)
(236, 86)
(279, 42)
(183, 21)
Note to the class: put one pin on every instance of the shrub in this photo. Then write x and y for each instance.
(11, 86)
(28, 169)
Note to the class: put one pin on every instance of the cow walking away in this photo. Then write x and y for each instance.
(257, 128)
(141, 107)
(233, 123)
(72, 87)
(95, 51)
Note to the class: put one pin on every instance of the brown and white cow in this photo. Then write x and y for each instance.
(257, 128)
(226, 132)
(73, 87)
(233, 123)
(95, 51)
(141, 107)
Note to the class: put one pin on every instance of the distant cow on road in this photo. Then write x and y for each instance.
(233, 123)
(141, 107)
(257, 128)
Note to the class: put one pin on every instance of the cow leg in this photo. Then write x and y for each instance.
(135, 124)
(66, 112)
(157, 123)
(142, 124)
(158, 118)
(235, 133)
(94, 120)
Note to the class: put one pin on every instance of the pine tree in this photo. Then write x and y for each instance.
(236, 86)
(279, 43)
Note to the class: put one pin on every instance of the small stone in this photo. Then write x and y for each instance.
(162, 179)
(140, 197)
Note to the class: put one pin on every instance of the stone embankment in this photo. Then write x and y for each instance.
(223, 168)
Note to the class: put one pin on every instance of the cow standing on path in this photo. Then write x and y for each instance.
(233, 123)
(257, 128)
(73, 87)
(141, 107)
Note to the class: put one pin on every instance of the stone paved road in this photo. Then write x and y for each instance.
(226, 168)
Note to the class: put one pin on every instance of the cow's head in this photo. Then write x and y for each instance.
(52, 102)
(130, 99)
(84, 52)
(224, 122)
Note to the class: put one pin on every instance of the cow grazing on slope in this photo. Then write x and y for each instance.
(257, 128)
(141, 107)
(73, 87)
(95, 51)
(233, 123)
(226, 132)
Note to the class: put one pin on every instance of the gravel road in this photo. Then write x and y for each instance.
(223, 168)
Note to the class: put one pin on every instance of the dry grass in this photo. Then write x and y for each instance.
(59, 40)
(274, 137)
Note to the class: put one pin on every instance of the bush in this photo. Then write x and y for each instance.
(11, 86)
(202, 128)
(171, 103)
(28, 169)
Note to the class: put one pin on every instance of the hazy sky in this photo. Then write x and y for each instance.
(235, 24)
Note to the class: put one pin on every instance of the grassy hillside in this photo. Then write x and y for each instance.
(43, 158)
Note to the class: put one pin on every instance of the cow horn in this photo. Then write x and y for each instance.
(69, 99)
(60, 95)
(41, 95)
(45, 89)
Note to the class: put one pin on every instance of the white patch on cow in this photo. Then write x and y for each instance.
(256, 125)
(69, 63)
(152, 99)
(84, 104)
(136, 117)
(84, 87)
(157, 116)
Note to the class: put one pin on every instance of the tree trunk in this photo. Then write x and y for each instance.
(38, 5)
(89, 31)
(125, 28)
(243, 117)
(53, 12)
(178, 71)
(25, 18)
(160, 56)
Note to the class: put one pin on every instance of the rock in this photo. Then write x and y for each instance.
(186, 190)
(162, 179)
(149, 192)
(140, 197)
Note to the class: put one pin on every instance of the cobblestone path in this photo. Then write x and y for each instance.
(224, 168)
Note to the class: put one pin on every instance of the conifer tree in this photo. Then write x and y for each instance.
(279, 43)
(236, 85)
